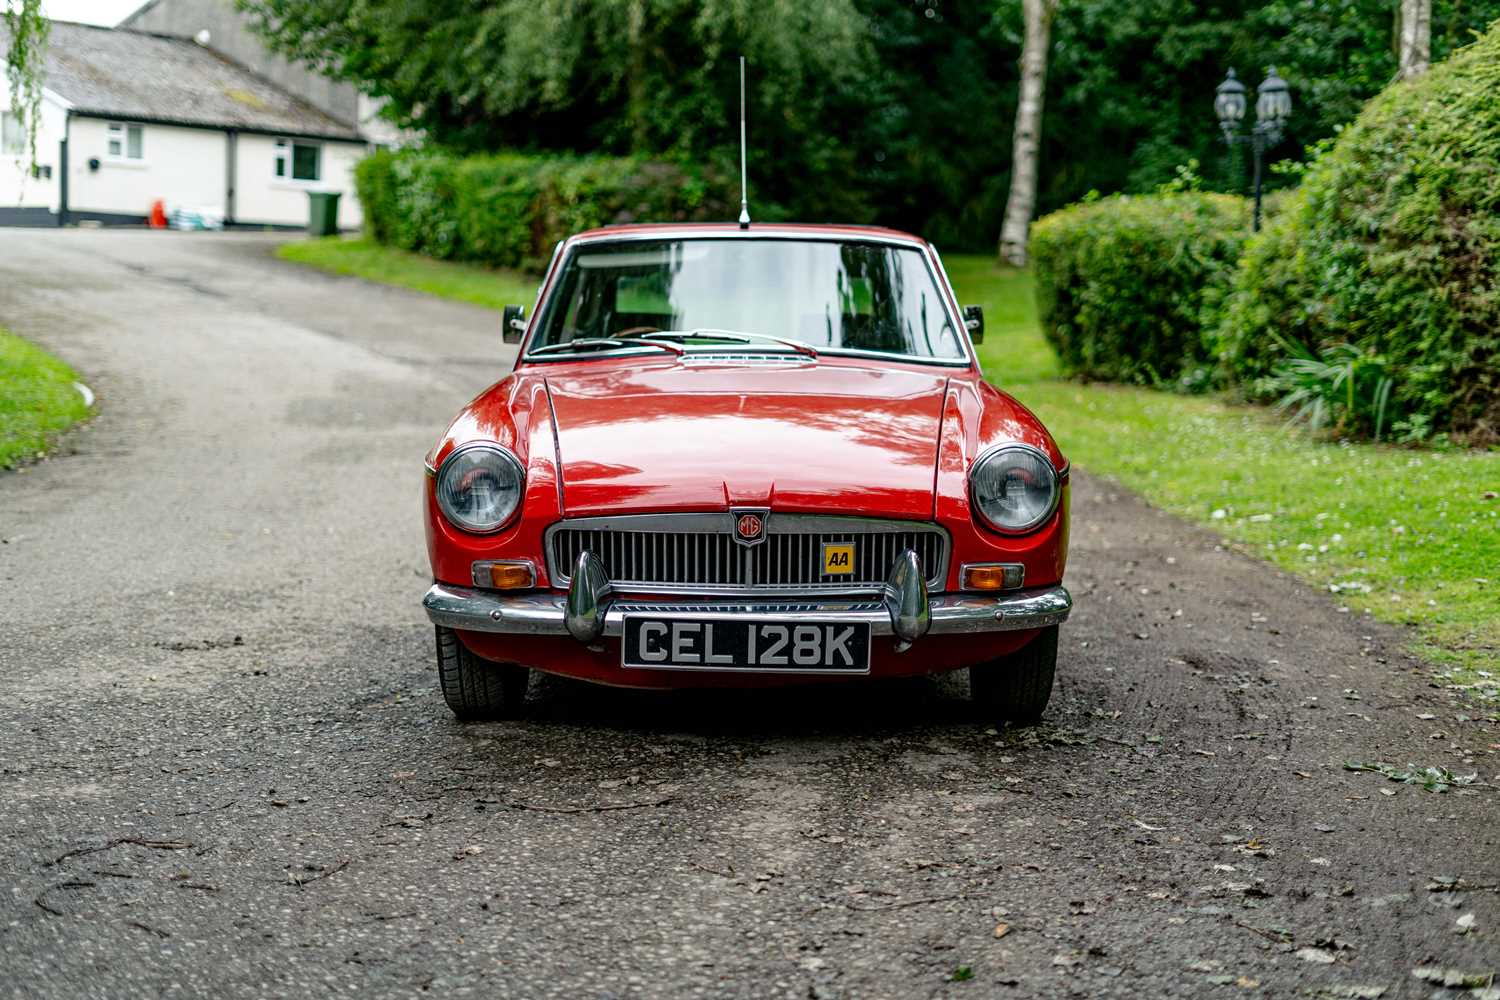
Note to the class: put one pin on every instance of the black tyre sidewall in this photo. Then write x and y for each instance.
(475, 688)
(1017, 687)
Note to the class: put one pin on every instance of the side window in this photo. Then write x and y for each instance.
(126, 142)
(299, 161)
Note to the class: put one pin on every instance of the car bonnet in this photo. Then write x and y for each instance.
(809, 437)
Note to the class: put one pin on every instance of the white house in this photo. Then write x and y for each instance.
(130, 118)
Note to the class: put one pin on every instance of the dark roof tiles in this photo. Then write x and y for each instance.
(134, 74)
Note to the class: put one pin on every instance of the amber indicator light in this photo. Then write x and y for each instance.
(993, 576)
(511, 576)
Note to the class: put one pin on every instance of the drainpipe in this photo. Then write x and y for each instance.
(62, 155)
(231, 148)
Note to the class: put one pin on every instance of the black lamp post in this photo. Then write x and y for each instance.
(1273, 105)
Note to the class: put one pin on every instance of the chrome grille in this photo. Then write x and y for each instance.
(697, 553)
(695, 558)
(796, 560)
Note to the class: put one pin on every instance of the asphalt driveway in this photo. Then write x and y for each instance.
(227, 771)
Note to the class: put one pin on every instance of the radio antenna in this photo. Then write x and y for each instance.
(744, 191)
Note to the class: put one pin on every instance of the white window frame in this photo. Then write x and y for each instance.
(119, 133)
(285, 160)
(13, 119)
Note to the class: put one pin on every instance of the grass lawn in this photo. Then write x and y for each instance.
(37, 400)
(1402, 535)
(363, 258)
(1014, 352)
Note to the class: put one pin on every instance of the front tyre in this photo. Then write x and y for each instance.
(1017, 687)
(476, 688)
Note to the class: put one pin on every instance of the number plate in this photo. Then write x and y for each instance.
(810, 647)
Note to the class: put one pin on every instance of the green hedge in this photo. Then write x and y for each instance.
(1390, 253)
(1126, 284)
(509, 210)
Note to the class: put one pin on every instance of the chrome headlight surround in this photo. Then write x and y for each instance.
(991, 470)
(480, 459)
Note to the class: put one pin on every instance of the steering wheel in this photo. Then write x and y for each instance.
(635, 330)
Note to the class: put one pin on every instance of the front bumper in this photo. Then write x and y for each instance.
(476, 610)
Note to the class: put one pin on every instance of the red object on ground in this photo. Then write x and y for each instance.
(158, 218)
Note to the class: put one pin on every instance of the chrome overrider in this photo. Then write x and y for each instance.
(588, 600)
(591, 610)
(906, 600)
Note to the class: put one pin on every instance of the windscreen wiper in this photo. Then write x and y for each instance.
(710, 333)
(590, 343)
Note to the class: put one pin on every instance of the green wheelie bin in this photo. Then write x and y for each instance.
(323, 213)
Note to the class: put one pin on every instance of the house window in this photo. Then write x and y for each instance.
(126, 142)
(301, 161)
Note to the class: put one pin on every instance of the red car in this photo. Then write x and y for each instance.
(733, 456)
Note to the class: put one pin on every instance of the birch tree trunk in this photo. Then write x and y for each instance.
(1414, 39)
(1028, 132)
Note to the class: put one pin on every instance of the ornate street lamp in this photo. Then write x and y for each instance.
(1273, 105)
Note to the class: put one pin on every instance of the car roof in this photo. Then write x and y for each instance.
(781, 230)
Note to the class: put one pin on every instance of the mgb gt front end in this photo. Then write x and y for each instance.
(734, 456)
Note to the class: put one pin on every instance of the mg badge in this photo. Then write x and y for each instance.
(749, 525)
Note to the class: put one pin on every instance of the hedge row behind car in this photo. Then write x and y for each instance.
(1386, 265)
(1370, 303)
(1125, 284)
(509, 210)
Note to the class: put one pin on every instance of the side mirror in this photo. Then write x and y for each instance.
(513, 324)
(974, 323)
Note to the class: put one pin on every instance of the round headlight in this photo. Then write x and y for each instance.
(1014, 488)
(479, 487)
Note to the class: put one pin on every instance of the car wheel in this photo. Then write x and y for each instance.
(476, 688)
(1017, 687)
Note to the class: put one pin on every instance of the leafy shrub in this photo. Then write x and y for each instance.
(1126, 284)
(375, 182)
(1391, 246)
(1343, 389)
(509, 210)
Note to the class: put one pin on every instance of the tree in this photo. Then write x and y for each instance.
(646, 77)
(26, 30)
(894, 111)
(1414, 38)
(937, 118)
(1135, 82)
(1019, 207)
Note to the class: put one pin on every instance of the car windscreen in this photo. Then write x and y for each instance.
(830, 295)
